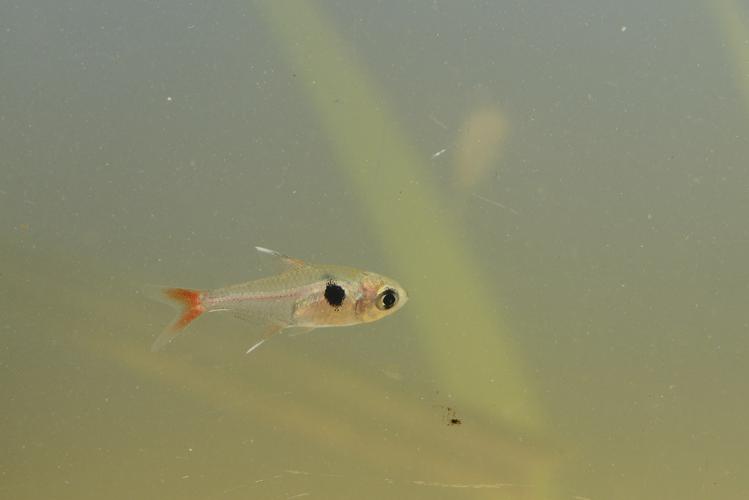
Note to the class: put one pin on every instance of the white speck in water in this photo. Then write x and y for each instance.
(624, 28)
(169, 98)
(438, 153)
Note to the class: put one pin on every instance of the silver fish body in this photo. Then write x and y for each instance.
(303, 295)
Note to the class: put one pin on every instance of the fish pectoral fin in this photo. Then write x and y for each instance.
(286, 261)
(299, 330)
(268, 331)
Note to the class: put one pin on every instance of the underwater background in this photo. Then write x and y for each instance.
(563, 190)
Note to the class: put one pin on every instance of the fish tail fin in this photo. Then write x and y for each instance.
(190, 304)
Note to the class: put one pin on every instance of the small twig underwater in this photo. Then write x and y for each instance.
(495, 203)
(438, 153)
(415, 482)
(478, 486)
(435, 120)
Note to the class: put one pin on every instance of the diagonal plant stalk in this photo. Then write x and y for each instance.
(456, 309)
(734, 22)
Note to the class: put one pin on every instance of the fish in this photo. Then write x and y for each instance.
(302, 297)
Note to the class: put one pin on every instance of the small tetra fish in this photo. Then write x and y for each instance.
(303, 296)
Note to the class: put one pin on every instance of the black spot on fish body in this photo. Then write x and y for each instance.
(334, 294)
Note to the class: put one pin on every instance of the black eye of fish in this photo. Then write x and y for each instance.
(387, 299)
(334, 294)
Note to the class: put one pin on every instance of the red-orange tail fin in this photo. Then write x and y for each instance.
(191, 306)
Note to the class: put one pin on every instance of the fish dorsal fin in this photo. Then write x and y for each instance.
(286, 261)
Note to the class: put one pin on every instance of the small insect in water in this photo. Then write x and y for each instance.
(303, 296)
(451, 416)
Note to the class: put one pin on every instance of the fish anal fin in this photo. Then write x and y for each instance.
(257, 320)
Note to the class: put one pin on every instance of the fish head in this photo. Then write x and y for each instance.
(378, 296)
(346, 296)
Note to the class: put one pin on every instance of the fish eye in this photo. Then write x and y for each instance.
(386, 299)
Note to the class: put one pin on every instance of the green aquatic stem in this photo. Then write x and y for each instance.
(734, 22)
(454, 308)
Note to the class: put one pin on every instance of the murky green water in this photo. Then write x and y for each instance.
(563, 190)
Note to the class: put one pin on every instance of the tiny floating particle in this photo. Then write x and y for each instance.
(451, 416)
